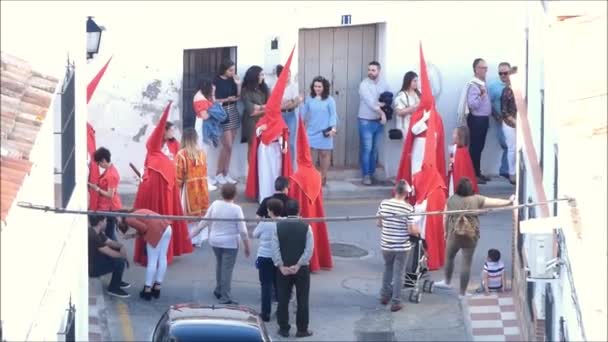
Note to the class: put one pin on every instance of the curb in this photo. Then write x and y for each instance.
(98, 325)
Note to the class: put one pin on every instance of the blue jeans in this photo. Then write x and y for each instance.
(292, 123)
(370, 135)
(504, 161)
(267, 272)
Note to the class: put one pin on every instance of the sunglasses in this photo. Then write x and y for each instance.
(503, 73)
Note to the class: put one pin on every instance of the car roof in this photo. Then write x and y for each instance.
(191, 311)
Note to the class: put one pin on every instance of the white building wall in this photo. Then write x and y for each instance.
(44, 255)
(148, 48)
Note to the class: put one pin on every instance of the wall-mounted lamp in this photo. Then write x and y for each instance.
(274, 44)
(93, 37)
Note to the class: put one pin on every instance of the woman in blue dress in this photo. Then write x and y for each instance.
(321, 122)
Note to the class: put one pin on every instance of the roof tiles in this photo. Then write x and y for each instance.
(25, 97)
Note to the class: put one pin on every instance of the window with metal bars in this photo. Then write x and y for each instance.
(67, 137)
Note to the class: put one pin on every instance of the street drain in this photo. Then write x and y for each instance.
(345, 250)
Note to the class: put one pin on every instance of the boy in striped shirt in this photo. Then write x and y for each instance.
(395, 244)
(493, 272)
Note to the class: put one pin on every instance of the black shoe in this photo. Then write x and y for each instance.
(265, 317)
(230, 302)
(486, 178)
(118, 293)
(156, 291)
(305, 333)
(124, 285)
(480, 180)
(284, 333)
(505, 175)
(217, 295)
(145, 295)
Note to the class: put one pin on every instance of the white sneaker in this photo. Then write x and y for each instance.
(230, 179)
(442, 285)
(210, 186)
(220, 179)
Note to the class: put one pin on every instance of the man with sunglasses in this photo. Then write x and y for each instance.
(504, 111)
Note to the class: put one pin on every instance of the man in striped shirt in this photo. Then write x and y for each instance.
(395, 244)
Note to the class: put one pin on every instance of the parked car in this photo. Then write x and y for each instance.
(197, 322)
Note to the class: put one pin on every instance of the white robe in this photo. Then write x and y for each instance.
(269, 166)
(451, 180)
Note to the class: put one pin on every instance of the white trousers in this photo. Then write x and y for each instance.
(417, 154)
(269, 168)
(510, 136)
(157, 258)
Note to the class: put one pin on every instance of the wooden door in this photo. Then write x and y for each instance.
(199, 63)
(341, 55)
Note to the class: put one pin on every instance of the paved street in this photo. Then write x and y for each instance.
(344, 301)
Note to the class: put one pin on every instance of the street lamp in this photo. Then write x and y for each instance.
(93, 37)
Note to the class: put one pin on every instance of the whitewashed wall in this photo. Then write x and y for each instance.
(44, 255)
(148, 48)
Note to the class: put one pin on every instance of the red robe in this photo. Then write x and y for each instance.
(93, 168)
(429, 186)
(307, 190)
(275, 127)
(430, 182)
(252, 187)
(405, 165)
(173, 145)
(462, 166)
(158, 192)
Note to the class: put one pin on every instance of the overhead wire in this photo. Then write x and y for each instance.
(45, 208)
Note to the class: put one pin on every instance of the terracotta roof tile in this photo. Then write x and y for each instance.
(25, 97)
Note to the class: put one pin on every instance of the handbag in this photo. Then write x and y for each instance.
(397, 133)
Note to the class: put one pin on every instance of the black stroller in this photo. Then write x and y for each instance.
(417, 277)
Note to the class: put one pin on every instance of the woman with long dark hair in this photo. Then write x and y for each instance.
(227, 92)
(406, 101)
(321, 121)
(254, 94)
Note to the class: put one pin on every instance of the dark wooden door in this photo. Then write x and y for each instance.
(200, 63)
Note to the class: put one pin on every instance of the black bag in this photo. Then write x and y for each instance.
(395, 134)
(326, 131)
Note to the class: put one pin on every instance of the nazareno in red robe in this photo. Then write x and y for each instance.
(462, 166)
(276, 128)
(306, 188)
(158, 192)
(430, 182)
(252, 186)
(91, 143)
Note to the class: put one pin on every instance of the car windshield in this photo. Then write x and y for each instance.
(210, 331)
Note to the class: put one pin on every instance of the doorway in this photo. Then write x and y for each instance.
(199, 63)
(341, 55)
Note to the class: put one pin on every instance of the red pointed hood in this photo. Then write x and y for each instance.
(272, 116)
(427, 103)
(155, 141)
(306, 176)
(95, 81)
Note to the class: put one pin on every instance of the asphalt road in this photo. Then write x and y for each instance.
(344, 301)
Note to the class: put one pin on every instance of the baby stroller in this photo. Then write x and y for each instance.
(417, 275)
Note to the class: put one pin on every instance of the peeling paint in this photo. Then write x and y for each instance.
(141, 133)
(152, 90)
